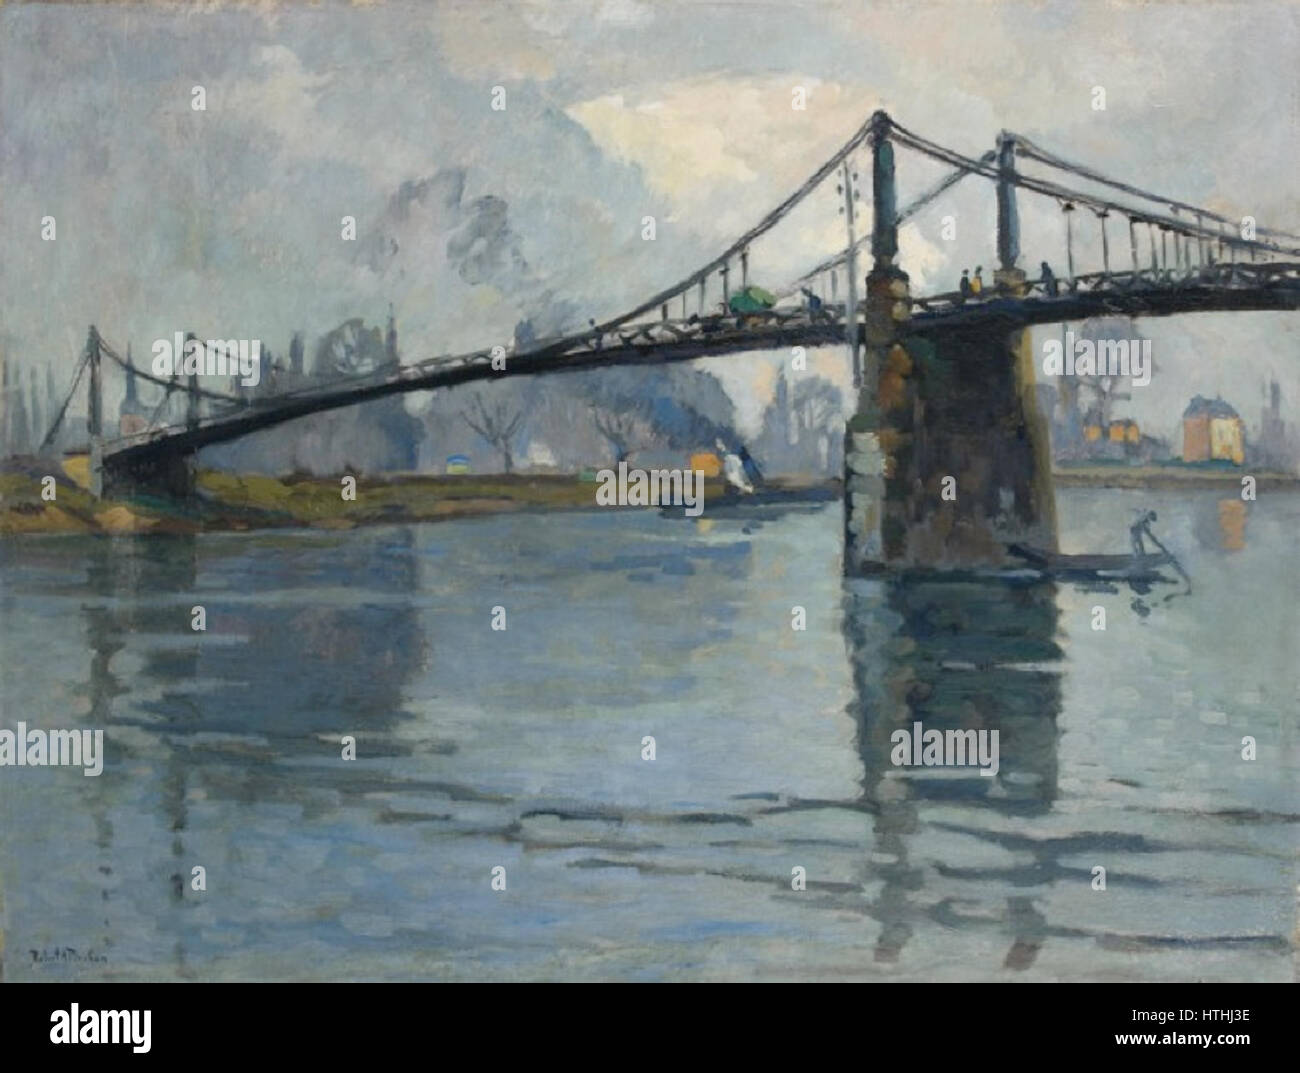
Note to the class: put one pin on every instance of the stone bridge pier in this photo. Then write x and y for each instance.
(170, 475)
(947, 459)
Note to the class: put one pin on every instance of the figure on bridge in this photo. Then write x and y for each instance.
(964, 286)
(1050, 286)
(977, 284)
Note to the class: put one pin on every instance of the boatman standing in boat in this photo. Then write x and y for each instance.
(1140, 528)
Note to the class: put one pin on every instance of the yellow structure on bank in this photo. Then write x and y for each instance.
(706, 462)
(1212, 431)
(1123, 430)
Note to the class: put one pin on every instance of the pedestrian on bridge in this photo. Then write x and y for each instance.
(1050, 286)
(964, 286)
(977, 284)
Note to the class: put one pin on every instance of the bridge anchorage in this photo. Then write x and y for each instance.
(944, 382)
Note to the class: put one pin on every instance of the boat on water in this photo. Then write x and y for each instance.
(1129, 567)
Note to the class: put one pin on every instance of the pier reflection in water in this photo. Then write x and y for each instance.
(954, 657)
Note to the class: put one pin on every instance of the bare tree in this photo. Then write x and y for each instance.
(619, 427)
(497, 425)
(815, 405)
(349, 349)
(1104, 386)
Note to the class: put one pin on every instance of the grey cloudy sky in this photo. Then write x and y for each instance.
(227, 221)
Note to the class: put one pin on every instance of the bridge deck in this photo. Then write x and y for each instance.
(1223, 288)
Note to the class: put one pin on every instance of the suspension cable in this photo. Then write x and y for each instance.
(946, 183)
(169, 384)
(54, 428)
(1062, 193)
(1028, 148)
(762, 227)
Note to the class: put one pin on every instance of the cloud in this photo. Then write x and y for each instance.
(489, 43)
(689, 137)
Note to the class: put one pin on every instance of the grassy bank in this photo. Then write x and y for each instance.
(231, 502)
(227, 501)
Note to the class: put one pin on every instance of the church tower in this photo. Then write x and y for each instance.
(131, 417)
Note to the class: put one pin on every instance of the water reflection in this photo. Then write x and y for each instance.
(1220, 525)
(522, 748)
(271, 684)
(952, 656)
(1232, 524)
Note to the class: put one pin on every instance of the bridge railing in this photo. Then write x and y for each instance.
(1224, 274)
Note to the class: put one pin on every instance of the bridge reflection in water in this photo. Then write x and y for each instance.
(969, 656)
(220, 730)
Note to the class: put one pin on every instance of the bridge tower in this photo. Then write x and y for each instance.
(1032, 488)
(958, 404)
(192, 389)
(1008, 217)
(867, 443)
(95, 415)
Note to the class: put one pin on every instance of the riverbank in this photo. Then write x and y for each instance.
(1191, 478)
(235, 502)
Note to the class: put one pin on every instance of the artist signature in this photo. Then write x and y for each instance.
(65, 953)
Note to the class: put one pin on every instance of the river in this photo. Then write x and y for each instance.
(522, 749)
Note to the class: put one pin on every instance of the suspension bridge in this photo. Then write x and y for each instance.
(944, 380)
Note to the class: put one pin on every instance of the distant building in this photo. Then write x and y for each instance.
(391, 358)
(1213, 431)
(1125, 430)
(458, 464)
(1276, 447)
(1093, 427)
(131, 417)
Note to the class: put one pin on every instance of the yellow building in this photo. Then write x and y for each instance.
(1213, 431)
(1228, 439)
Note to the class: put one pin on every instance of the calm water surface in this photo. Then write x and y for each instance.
(522, 749)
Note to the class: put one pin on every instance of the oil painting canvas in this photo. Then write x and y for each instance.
(648, 491)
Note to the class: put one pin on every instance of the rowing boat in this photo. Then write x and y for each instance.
(1093, 567)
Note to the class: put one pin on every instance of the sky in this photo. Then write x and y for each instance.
(228, 221)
